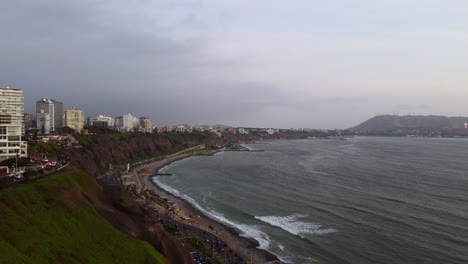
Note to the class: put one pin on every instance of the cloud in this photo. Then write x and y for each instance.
(106, 60)
(248, 63)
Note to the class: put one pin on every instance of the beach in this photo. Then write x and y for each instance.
(185, 212)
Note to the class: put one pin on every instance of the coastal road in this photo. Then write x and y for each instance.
(218, 248)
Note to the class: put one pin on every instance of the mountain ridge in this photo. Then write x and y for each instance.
(382, 123)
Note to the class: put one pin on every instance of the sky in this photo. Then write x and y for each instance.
(251, 63)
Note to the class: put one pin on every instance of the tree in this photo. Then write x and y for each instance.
(68, 130)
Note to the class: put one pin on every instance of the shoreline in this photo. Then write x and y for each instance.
(185, 212)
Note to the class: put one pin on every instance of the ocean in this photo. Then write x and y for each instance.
(362, 200)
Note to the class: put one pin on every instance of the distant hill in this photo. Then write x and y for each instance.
(383, 123)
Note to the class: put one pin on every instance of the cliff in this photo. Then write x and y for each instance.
(59, 219)
(98, 151)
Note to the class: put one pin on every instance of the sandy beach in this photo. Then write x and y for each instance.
(184, 212)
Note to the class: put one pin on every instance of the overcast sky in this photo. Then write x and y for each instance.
(265, 63)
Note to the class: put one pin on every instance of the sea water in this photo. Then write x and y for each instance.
(363, 200)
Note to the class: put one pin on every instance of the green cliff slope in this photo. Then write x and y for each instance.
(52, 221)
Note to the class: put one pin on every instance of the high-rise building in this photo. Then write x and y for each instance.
(11, 124)
(74, 119)
(130, 122)
(54, 108)
(43, 123)
(118, 123)
(145, 125)
(28, 122)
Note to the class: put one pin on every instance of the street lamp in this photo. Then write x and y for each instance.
(16, 163)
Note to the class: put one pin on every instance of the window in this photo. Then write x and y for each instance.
(13, 138)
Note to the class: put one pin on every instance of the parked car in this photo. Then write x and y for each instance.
(18, 176)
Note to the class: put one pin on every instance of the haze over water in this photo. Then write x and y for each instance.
(364, 200)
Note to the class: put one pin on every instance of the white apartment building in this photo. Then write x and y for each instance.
(130, 122)
(11, 124)
(243, 131)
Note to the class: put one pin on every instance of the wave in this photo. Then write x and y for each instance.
(218, 153)
(245, 146)
(245, 230)
(292, 225)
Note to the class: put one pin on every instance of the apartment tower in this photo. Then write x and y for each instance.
(74, 118)
(52, 108)
(12, 124)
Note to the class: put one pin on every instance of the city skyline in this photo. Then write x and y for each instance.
(240, 63)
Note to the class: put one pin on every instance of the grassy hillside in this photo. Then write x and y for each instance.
(51, 221)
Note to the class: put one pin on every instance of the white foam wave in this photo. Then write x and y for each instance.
(281, 247)
(218, 153)
(292, 225)
(246, 230)
(245, 146)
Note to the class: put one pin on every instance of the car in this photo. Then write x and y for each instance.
(34, 159)
(10, 174)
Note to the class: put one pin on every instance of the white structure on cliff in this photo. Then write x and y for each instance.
(243, 131)
(130, 122)
(103, 121)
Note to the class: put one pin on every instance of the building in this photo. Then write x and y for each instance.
(54, 109)
(74, 119)
(243, 131)
(43, 123)
(88, 121)
(118, 123)
(12, 124)
(28, 122)
(146, 125)
(103, 121)
(130, 122)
